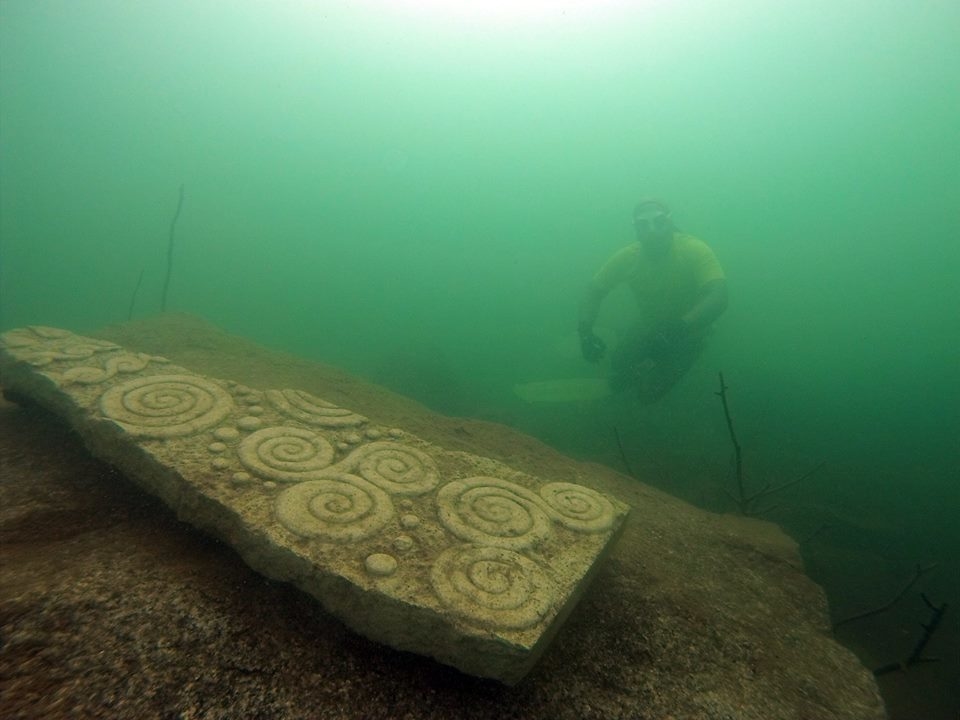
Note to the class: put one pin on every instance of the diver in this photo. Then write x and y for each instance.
(680, 290)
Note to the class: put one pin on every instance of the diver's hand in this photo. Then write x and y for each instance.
(592, 347)
(666, 338)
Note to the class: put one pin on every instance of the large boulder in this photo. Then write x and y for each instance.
(110, 607)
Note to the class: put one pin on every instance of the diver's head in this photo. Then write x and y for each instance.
(653, 225)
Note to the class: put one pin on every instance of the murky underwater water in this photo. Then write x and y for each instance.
(420, 196)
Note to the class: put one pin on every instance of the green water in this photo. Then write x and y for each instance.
(419, 195)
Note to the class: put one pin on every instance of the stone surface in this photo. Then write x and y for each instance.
(110, 607)
(443, 553)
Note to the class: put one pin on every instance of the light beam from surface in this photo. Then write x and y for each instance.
(505, 14)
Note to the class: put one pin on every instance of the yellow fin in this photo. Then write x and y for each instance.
(566, 390)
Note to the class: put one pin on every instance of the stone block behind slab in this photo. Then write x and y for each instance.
(442, 553)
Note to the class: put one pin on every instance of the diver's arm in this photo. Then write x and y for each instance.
(591, 346)
(590, 307)
(710, 306)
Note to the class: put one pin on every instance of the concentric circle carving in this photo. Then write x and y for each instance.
(50, 333)
(491, 511)
(311, 410)
(340, 508)
(578, 507)
(161, 406)
(89, 374)
(19, 338)
(493, 587)
(288, 454)
(396, 468)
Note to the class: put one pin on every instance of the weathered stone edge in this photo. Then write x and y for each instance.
(482, 656)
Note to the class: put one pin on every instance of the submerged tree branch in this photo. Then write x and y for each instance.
(746, 503)
(623, 454)
(916, 657)
(737, 452)
(918, 573)
(173, 227)
(133, 298)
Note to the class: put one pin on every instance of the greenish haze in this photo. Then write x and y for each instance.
(420, 198)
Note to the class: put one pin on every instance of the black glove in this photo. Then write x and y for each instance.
(591, 346)
(666, 338)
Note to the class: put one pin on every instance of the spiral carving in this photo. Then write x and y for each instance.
(577, 507)
(89, 374)
(493, 587)
(162, 406)
(311, 410)
(287, 454)
(490, 511)
(396, 468)
(340, 508)
(82, 375)
(51, 333)
(40, 346)
(19, 338)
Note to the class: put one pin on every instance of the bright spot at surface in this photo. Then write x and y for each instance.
(505, 13)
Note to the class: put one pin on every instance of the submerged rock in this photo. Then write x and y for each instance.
(110, 607)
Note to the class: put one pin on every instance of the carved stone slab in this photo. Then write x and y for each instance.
(441, 553)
